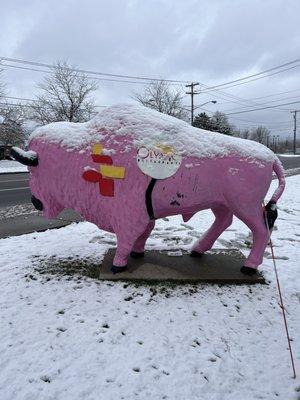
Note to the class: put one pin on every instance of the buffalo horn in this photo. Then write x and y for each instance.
(28, 158)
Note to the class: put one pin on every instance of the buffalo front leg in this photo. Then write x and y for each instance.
(223, 219)
(139, 245)
(126, 238)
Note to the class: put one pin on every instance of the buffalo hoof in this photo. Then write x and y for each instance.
(248, 271)
(195, 254)
(135, 254)
(116, 270)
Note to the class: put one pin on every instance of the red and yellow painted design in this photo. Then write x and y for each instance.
(107, 172)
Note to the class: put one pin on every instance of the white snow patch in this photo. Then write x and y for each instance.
(189, 165)
(233, 171)
(149, 127)
(7, 166)
(88, 168)
(289, 155)
(27, 154)
(108, 152)
(68, 338)
(175, 253)
(71, 135)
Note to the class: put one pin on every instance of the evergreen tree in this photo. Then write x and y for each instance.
(202, 121)
(218, 122)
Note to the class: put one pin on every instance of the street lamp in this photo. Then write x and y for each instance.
(194, 108)
(207, 102)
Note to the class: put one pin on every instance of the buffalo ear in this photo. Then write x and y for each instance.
(29, 158)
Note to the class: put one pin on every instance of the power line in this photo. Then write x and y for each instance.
(273, 101)
(140, 82)
(247, 120)
(237, 99)
(241, 100)
(16, 105)
(262, 108)
(29, 105)
(39, 64)
(260, 77)
(18, 98)
(227, 95)
(259, 73)
(269, 95)
(143, 80)
(96, 78)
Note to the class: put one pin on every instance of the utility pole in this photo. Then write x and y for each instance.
(192, 93)
(295, 130)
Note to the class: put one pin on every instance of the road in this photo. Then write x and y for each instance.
(290, 162)
(14, 188)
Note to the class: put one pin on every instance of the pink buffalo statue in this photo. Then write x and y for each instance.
(131, 165)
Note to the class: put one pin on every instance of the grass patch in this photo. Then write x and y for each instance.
(53, 266)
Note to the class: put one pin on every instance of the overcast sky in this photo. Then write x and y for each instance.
(210, 42)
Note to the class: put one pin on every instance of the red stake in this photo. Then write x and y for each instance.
(280, 297)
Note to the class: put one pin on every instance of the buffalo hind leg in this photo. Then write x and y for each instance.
(139, 245)
(223, 219)
(260, 237)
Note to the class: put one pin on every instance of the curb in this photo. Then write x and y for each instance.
(30, 223)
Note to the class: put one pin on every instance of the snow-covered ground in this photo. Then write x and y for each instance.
(18, 209)
(7, 166)
(73, 337)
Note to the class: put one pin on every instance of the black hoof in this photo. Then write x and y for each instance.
(116, 270)
(195, 254)
(135, 254)
(248, 271)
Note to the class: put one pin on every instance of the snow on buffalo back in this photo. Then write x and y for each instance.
(144, 126)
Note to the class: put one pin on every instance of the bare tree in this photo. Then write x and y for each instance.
(260, 134)
(65, 96)
(219, 123)
(246, 133)
(242, 133)
(160, 96)
(12, 118)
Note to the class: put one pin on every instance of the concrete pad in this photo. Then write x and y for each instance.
(217, 266)
(22, 224)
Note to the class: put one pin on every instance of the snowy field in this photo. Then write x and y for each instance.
(7, 166)
(68, 336)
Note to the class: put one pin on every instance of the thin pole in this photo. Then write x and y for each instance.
(280, 298)
(192, 104)
(295, 130)
(192, 93)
